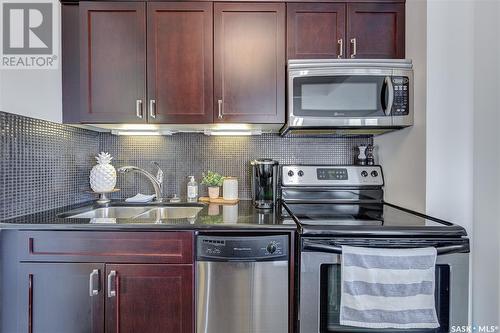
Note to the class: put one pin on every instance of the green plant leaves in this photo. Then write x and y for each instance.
(212, 179)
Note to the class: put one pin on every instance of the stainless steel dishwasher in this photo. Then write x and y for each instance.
(242, 284)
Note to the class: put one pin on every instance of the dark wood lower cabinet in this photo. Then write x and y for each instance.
(88, 297)
(56, 297)
(149, 298)
(98, 284)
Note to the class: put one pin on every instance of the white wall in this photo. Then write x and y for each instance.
(34, 93)
(448, 163)
(402, 153)
(450, 95)
(486, 250)
(462, 135)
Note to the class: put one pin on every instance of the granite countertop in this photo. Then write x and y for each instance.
(242, 216)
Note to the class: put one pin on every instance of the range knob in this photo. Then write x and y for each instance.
(271, 248)
(290, 173)
(300, 173)
(374, 173)
(364, 173)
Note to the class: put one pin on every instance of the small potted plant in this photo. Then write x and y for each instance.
(214, 181)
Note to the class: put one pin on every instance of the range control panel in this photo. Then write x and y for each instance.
(251, 248)
(335, 175)
(400, 106)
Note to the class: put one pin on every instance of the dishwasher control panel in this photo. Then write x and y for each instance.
(249, 248)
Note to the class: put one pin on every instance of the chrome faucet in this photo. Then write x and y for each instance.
(156, 181)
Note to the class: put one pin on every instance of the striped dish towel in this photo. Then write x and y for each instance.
(388, 288)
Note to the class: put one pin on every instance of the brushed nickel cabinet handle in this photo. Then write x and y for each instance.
(341, 47)
(117, 283)
(30, 303)
(221, 112)
(138, 108)
(152, 108)
(93, 291)
(354, 47)
(111, 290)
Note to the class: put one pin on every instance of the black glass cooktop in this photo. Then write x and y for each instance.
(367, 218)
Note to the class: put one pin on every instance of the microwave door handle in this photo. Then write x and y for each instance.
(442, 250)
(390, 96)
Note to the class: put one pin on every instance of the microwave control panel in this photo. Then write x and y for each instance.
(400, 106)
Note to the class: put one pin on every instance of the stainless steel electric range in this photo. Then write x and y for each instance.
(344, 205)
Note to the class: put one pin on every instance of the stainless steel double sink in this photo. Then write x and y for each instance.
(165, 211)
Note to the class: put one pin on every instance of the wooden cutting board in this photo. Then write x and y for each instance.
(219, 200)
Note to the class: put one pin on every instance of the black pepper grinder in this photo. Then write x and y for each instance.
(370, 159)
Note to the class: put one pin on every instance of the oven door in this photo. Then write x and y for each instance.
(320, 290)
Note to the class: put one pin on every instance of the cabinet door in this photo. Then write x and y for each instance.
(249, 64)
(149, 298)
(61, 297)
(180, 62)
(113, 62)
(316, 30)
(376, 30)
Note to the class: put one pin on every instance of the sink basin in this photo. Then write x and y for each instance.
(111, 212)
(176, 212)
(157, 212)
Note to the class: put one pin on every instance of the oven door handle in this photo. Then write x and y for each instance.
(449, 249)
(316, 247)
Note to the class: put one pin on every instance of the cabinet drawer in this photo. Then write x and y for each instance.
(103, 246)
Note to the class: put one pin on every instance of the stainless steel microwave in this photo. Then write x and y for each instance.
(350, 96)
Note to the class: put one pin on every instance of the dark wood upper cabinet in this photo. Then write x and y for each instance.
(376, 30)
(149, 298)
(200, 62)
(249, 62)
(56, 297)
(70, 62)
(316, 30)
(113, 62)
(180, 62)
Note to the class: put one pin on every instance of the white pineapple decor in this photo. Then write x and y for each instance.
(103, 175)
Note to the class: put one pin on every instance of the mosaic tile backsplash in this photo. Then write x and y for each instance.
(46, 165)
(43, 165)
(182, 155)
